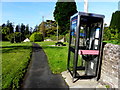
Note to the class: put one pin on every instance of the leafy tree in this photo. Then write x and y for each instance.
(22, 30)
(17, 29)
(3, 25)
(10, 26)
(35, 29)
(42, 28)
(48, 29)
(115, 20)
(5, 31)
(31, 29)
(27, 32)
(51, 27)
(63, 11)
(14, 37)
(10, 37)
(17, 37)
(27, 29)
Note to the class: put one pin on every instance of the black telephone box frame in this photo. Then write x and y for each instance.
(85, 21)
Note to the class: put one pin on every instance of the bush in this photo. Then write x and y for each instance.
(36, 37)
(107, 34)
(111, 35)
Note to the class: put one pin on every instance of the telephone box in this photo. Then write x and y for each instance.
(85, 45)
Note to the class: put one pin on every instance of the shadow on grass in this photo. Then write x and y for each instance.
(37, 48)
(53, 47)
(11, 49)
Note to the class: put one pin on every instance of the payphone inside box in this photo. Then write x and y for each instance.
(85, 45)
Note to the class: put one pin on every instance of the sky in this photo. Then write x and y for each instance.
(31, 12)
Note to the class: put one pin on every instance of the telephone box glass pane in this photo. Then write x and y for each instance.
(73, 30)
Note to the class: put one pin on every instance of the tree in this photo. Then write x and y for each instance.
(115, 20)
(51, 28)
(17, 29)
(10, 26)
(62, 13)
(48, 28)
(22, 30)
(5, 31)
(27, 32)
(27, 29)
(35, 29)
(3, 25)
(31, 30)
(14, 37)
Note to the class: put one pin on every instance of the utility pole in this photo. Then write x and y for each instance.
(43, 27)
(14, 31)
(86, 6)
(57, 31)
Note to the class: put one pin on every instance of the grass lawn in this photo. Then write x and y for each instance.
(15, 58)
(57, 56)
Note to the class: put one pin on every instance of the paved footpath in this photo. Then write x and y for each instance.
(39, 74)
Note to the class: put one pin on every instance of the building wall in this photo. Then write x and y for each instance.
(110, 70)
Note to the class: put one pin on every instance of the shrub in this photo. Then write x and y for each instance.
(36, 37)
(107, 34)
(111, 35)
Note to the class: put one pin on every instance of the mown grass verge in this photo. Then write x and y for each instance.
(15, 59)
(57, 56)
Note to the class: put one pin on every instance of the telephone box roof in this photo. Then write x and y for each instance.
(88, 14)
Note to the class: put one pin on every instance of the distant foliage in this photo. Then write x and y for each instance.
(20, 33)
(36, 37)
